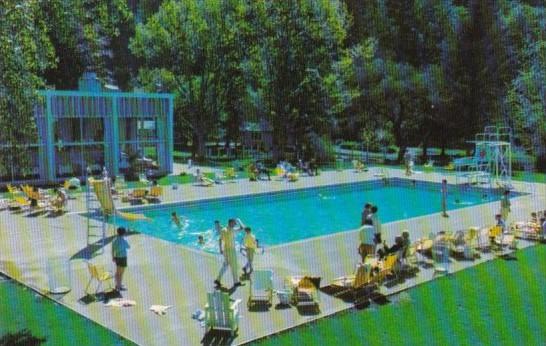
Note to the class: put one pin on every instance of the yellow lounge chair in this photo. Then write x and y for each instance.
(229, 173)
(19, 202)
(305, 291)
(388, 268)
(362, 280)
(99, 275)
(292, 177)
(359, 166)
(137, 195)
(154, 195)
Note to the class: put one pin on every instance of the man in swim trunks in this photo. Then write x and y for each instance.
(227, 248)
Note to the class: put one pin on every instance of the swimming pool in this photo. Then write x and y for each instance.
(283, 217)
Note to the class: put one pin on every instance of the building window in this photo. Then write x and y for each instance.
(68, 130)
(93, 129)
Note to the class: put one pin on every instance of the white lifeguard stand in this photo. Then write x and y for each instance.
(492, 160)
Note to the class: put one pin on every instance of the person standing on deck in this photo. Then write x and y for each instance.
(365, 213)
(505, 205)
(376, 225)
(119, 256)
(444, 198)
(227, 248)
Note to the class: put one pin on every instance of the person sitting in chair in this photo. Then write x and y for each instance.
(202, 179)
(262, 170)
(398, 246)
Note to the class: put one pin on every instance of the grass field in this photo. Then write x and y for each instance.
(21, 308)
(497, 303)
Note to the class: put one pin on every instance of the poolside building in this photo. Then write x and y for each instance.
(92, 128)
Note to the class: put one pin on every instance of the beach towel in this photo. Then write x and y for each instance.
(120, 302)
(160, 309)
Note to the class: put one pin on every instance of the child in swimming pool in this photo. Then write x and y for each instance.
(175, 219)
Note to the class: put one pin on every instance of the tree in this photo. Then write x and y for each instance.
(192, 48)
(299, 44)
(88, 35)
(26, 54)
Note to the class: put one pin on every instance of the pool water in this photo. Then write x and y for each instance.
(277, 218)
(22, 308)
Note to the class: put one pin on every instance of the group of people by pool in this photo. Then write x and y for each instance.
(227, 247)
(370, 236)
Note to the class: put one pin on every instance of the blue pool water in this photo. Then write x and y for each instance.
(278, 218)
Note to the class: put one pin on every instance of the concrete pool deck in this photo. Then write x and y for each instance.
(165, 273)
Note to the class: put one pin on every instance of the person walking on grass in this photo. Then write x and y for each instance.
(227, 248)
(119, 256)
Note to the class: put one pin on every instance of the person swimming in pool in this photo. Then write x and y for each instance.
(175, 219)
(217, 227)
(200, 240)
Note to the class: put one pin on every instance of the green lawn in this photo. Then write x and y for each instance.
(530, 177)
(21, 308)
(496, 303)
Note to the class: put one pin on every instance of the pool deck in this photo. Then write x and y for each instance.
(165, 273)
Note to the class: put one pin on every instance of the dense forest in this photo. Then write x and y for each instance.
(406, 73)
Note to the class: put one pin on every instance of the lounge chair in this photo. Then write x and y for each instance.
(99, 275)
(305, 291)
(230, 174)
(154, 195)
(261, 288)
(428, 167)
(463, 244)
(361, 280)
(292, 176)
(526, 230)
(390, 268)
(221, 312)
(499, 239)
(71, 187)
(137, 196)
(381, 173)
(359, 166)
(440, 255)
(13, 191)
(19, 202)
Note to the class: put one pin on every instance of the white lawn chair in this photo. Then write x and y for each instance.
(222, 313)
(261, 288)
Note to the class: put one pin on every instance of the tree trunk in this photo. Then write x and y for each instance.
(198, 147)
(424, 156)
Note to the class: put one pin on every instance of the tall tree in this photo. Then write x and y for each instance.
(192, 47)
(26, 54)
(301, 42)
